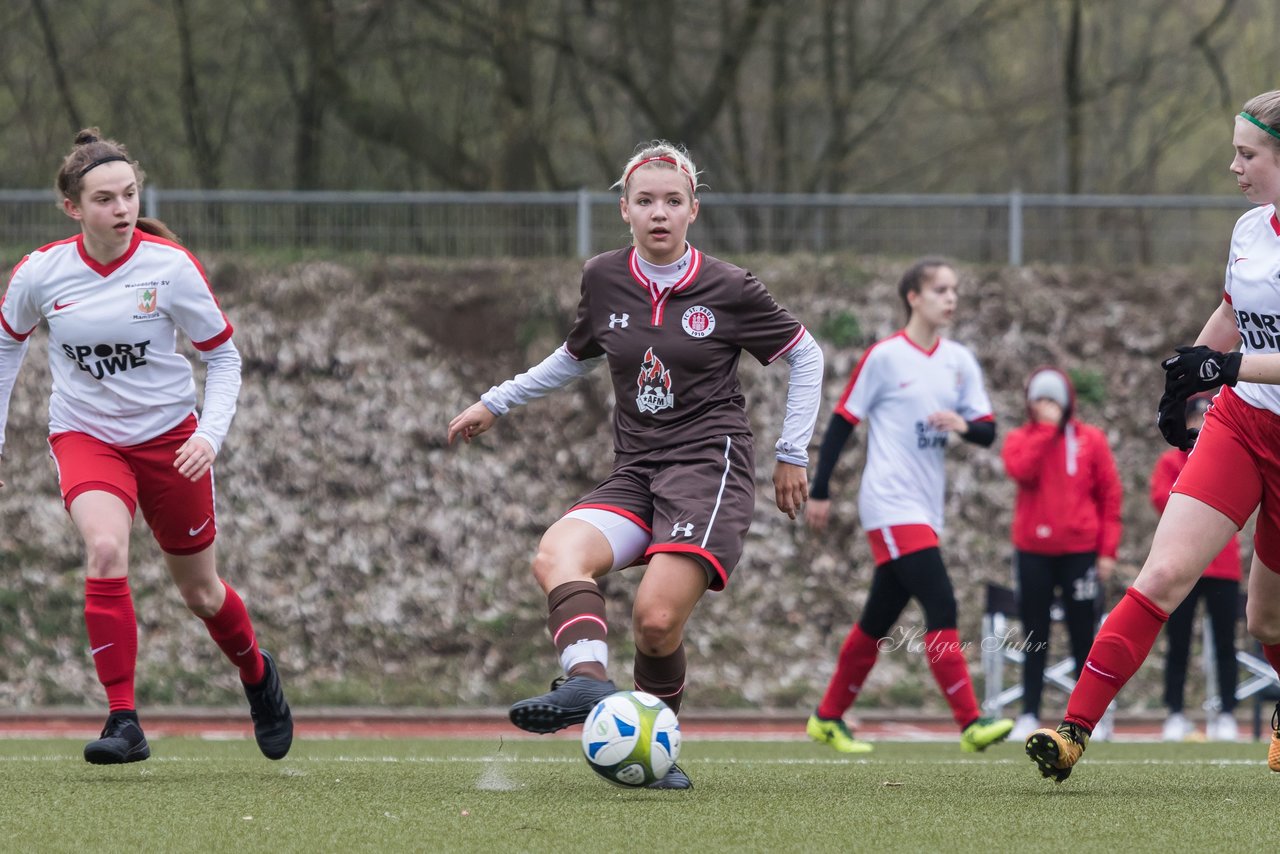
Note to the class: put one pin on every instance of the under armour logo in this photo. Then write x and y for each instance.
(685, 530)
(614, 320)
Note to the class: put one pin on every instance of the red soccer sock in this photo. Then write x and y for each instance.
(1122, 644)
(578, 628)
(113, 637)
(1272, 654)
(232, 630)
(951, 672)
(662, 677)
(857, 657)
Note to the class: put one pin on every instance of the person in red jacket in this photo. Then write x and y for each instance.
(1066, 526)
(1219, 587)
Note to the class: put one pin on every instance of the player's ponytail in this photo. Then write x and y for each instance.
(151, 225)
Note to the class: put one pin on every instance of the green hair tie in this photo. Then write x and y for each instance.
(1268, 128)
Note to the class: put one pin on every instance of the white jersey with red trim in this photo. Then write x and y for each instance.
(113, 334)
(895, 388)
(1253, 290)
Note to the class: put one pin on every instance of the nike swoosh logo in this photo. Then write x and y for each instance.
(1100, 671)
(59, 306)
(98, 649)
(191, 532)
(245, 651)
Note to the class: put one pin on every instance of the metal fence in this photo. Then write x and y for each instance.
(1010, 228)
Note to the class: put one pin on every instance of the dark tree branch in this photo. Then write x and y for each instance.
(1201, 41)
(55, 63)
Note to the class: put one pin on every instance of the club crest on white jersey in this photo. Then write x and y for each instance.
(146, 298)
(698, 321)
(654, 384)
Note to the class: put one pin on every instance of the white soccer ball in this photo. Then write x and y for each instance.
(631, 738)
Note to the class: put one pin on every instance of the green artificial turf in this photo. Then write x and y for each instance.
(417, 795)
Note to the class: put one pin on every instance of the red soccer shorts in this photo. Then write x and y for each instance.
(899, 541)
(1235, 466)
(178, 511)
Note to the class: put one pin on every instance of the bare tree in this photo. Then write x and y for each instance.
(60, 84)
(206, 153)
(790, 95)
(1073, 96)
(373, 117)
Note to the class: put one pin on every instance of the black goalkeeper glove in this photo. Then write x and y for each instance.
(1171, 418)
(1197, 369)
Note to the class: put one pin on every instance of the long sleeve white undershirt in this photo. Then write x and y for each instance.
(221, 390)
(804, 396)
(554, 372)
(11, 354)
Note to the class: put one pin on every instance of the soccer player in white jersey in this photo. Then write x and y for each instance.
(1233, 468)
(671, 323)
(915, 389)
(123, 431)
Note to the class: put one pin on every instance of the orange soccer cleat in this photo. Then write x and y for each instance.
(1056, 752)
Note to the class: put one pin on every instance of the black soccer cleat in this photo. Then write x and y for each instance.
(272, 719)
(675, 779)
(121, 741)
(569, 701)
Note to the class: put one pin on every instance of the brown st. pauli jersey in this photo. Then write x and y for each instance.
(673, 355)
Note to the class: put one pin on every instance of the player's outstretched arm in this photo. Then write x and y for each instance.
(471, 422)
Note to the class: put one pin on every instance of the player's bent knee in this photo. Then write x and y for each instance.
(106, 556)
(543, 566)
(1263, 626)
(552, 567)
(203, 600)
(1166, 583)
(657, 633)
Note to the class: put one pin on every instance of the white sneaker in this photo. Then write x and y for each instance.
(1222, 727)
(1026, 724)
(1177, 727)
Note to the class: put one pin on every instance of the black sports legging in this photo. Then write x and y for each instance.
(921, 575)
(1222, 602)
(1039, 577)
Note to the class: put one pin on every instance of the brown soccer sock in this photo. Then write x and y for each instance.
(662, 677)
(577, 620)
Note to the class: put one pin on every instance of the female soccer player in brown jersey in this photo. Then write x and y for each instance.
(671, 323)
